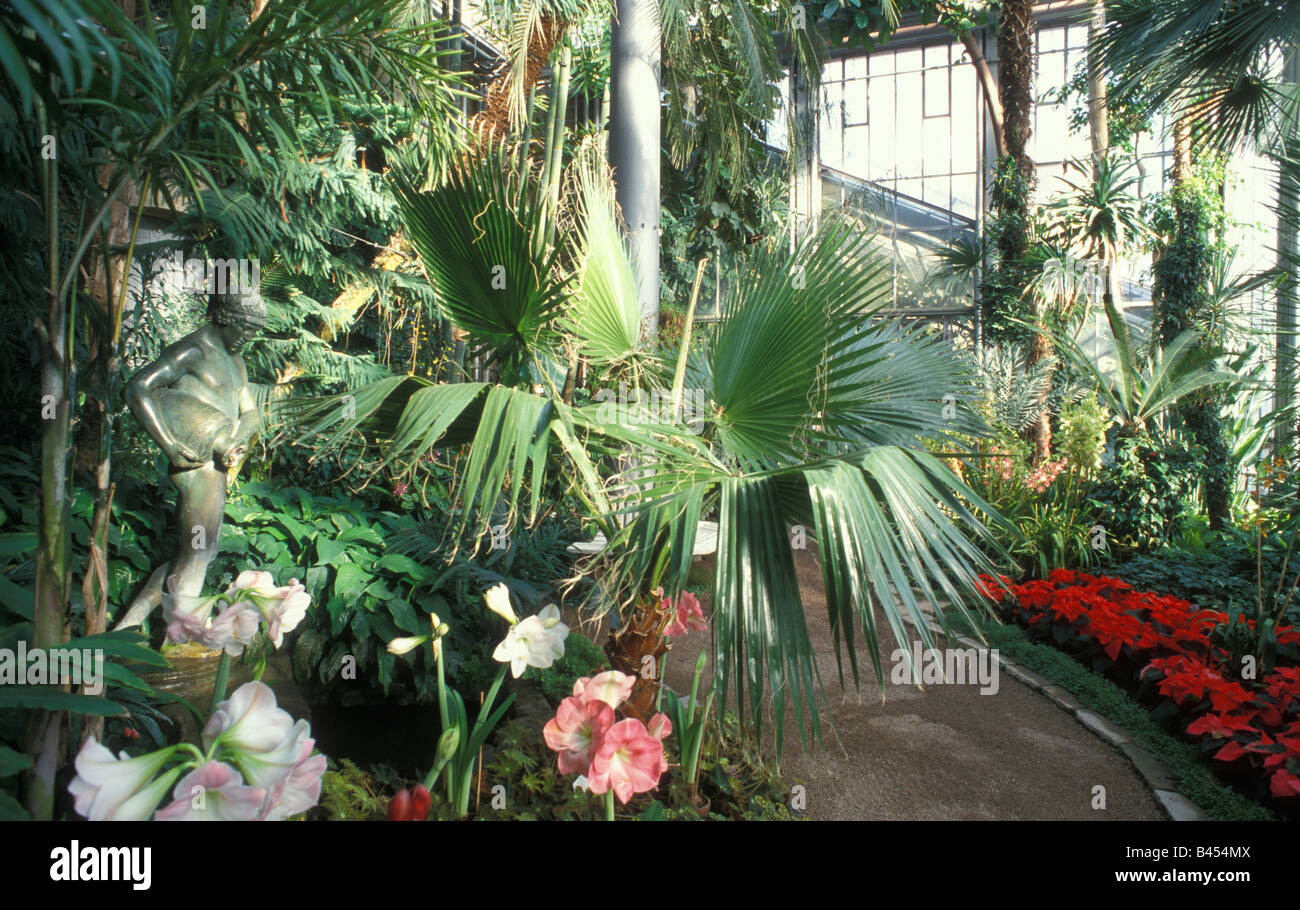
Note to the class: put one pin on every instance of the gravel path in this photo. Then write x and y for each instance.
(945, 752)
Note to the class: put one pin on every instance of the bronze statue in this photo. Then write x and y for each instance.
(196, 403)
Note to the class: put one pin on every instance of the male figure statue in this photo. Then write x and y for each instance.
(196, 403)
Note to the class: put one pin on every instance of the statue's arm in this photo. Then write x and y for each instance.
(250, 415)
(232, 449)
(170, 366)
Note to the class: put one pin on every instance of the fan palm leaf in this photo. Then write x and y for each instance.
(606, 317)
(478, 237)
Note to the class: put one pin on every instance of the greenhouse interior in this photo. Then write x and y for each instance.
(649, 410)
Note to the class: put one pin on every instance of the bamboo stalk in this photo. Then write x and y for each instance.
(52, 578)
(556, 141)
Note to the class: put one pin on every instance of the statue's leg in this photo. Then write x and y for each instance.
(200, 508)
(150, 596)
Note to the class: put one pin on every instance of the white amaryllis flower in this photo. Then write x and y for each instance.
(537, 641)
(550, 617)
(440, 629)
(109, 788)
(497, 599)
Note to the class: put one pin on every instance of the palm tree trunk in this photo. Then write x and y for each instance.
(1182, 164)
(1098, 111)
(1099, 132)
(1288, 249)
(555, 142)
(634, 140)
(1179, 295)
(1015, 87)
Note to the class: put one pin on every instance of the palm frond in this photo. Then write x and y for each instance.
(606, 317)
(477, 235)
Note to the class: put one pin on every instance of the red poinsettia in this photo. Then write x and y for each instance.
(1253, 720)
(1219, 726)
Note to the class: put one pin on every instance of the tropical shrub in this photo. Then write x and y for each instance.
(377, 574)
(1218, 574)
(1144, 493)
(1046, 504)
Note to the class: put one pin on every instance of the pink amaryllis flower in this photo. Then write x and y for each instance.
(283, 607)
(611, 687)
(284, 614)
(249, 721)
(109, 788)
(187, 617)
(213, 792)
(270, 749)
(231, 629)
(688, 616)
(270, 767)
(299, 789)
(629, 760)
(660, 727)
(576, 732)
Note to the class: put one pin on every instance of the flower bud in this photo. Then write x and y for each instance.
(448, 743)
(406, 645)
(399, 810)
(420, 803)
(497, 599)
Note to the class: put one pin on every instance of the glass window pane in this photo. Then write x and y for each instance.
(936, 156)
(964, 195)
(909, 124)
(832, 97)
(856, 147)
(832, 136)
(1051, 72)
(855, 68)
(909, 61)
(936, 192)
(1051, 39)
(881, 63)
(880, 104)
(936, 93)
(855, 102)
